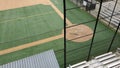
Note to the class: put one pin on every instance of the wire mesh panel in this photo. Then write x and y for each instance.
(103, 33)
(43, 60)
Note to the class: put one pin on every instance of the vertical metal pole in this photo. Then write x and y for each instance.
(94, 31)
(114, 37)
(112, 12)
(64, 8)
(77, 3)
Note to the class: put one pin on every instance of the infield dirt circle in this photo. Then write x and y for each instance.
(79, 33)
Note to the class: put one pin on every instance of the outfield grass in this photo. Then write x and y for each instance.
(28, 24)
(77, 52)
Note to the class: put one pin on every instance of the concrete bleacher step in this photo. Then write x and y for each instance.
(115, 23)
(107, 13)
(115, 17)
(110, 12)
(118, 16)
(101, 56)
(95, 65)
(111, 65)
(104, 14)
(107, 60)
(116, 66)
(108, 9)
(81, 64)
(106, 57)
(110, 60)
(106, 17)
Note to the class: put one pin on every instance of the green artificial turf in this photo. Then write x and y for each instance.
(77, 52)
(28, 24)
(58, 4)
(56, 45)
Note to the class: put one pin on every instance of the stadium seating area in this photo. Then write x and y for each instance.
(107, 60)
(107, 10)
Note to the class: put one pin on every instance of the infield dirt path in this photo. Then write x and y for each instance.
(13, 49)
(11, 4)
(59, 13)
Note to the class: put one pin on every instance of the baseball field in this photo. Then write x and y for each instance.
(78, 51)
(28, 28)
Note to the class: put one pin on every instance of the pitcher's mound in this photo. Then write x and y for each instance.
(79, 33)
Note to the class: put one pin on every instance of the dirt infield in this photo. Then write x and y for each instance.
(79, 33)
(11, 4)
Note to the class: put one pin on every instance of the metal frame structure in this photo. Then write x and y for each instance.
(45, 59)
(94, 33)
